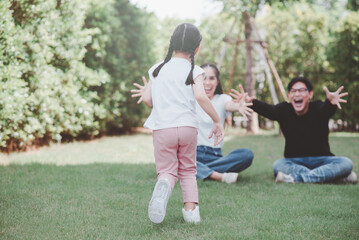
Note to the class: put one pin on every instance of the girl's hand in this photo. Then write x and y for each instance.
(218, 133)
(139, 92)
(335, 98)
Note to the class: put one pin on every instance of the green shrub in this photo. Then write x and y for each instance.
(343, 55)
(45, 86)
(123, 48)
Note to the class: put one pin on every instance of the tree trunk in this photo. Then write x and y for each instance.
(223, 52)
(234, 63)
(250, 82)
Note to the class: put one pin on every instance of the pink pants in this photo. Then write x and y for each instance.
(175, 155)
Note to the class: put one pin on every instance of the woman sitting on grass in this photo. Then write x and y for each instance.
(211, 163)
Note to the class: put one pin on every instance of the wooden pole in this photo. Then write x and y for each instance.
(275, 74)
(270, 63)
(233, 68)
(223, 52)
(267, 70)
(268, 75)
(252, 124)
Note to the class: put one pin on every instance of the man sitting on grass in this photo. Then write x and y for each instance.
(305, 127)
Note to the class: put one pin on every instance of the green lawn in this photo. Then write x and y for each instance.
(101, 189)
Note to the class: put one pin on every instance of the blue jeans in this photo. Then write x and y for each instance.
(314, 169)
(211, 159)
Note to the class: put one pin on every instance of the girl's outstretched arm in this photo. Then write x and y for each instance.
(207, 106)
(144, 92)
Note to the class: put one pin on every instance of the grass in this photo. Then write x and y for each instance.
(101, 189)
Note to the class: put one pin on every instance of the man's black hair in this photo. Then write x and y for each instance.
(304, 80)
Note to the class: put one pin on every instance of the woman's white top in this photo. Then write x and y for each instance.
(174, 103)
(206, 123)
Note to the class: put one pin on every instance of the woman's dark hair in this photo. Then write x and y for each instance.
(185, 38)
(219, 89)
(304, 80)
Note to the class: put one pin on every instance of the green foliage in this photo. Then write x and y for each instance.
(214, 30)
(353, 5)
(123, 47)
(297, 39)
(46, 89)
(163, 33)
(67, 68)
(238, 6)
(12, 104)
(343, 55)
(303, 38)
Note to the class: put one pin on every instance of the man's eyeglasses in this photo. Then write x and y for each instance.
(300, 90)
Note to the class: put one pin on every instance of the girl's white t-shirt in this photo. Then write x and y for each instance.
(206, 123)
(174, 103)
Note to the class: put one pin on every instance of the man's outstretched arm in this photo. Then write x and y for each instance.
(332, 102)
(260, 107)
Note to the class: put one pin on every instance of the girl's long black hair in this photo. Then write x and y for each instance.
(185, 38)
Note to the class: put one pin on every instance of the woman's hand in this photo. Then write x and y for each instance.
(238, 96)
(243, 101)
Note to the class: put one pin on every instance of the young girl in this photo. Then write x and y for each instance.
(174, 87)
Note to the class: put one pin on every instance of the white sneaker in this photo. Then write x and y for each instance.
(281, 177)
(230, 177)
(351, 178)
(191, 216)
(158, 203)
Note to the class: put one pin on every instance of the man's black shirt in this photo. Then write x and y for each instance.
(305, 135)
